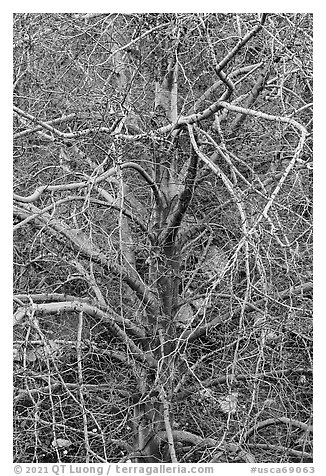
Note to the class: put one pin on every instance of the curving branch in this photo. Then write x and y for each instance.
(200, 442)
(189, 336)
(263, 115)
(147, 178)
(246, 70)
(90, 250)
(103, 309)
(109, 202)
(276, 421)
(188, 437)
(241, 43)
(76, 306)
(92, 181)
(220, 104)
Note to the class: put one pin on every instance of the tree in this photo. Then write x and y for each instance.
(162, 224)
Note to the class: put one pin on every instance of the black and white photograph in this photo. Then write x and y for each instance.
(162, 239)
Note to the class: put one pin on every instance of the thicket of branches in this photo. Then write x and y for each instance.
(163, 237)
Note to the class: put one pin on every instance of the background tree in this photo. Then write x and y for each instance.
(163, 234)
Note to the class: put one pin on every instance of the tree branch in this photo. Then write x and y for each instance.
(246, 69)
(241, 43)
(80, 242)
(282, 449)
(276, 421)
(184, 199)
(225, 378)
(189, 336)
(59, 120)
(103, 308)
(75, 306)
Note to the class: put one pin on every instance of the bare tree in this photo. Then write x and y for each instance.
(162, 220)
